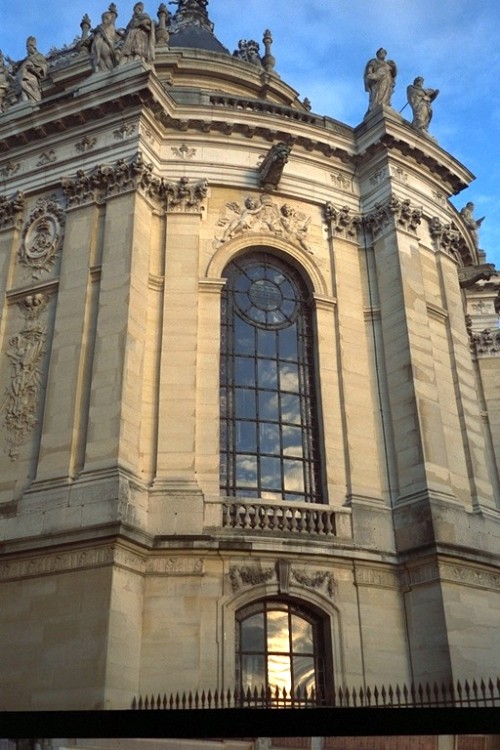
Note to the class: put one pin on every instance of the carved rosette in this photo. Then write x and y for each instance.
(394, 213)
(342, 221)
(25, 351)
(11, 211)
(261, 215)
(42, 237)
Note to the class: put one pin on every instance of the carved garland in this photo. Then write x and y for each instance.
(42, 237)
(26, 350)
(11, 210)
(283, 572)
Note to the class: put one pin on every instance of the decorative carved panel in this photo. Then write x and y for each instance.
(42, 237)
(11, 210)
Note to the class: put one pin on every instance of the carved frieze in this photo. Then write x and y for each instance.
(25, 351)
(263, 215)
(377, 577)
(398, 213)
(342, 181)
(46, 157)
(42, 237)
(183, 152)
(11, 210)
(176, 566)
(342, 221)
(9, 168)
(85, 144)
(126, 130)
(284, 573)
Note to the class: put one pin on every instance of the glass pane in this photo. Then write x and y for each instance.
(290, 408)
(246, 437)
(303, 674)
(266, 343)
(268, 406)
(293, 476)
(244, 403)
(246, 471)
(277, 631)
(252, 633)
(243, 337)
(292, 441)
(253, 671)
(279, 672)
(288, 342)
(270, 473)
(244, 371)
(289, 377)
(267, 373)
(302, 635)
(270, 438)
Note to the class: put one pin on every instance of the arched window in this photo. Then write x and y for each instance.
(281, 646)
(269, 430)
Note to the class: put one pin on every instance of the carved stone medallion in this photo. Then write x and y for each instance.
(42, 237)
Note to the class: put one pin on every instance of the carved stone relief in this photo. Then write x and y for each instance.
(176, 566)
(485, 343)
(394, 212)
(42, 237)
(25, 351)
(263, 215)
(126, 130)
(85, 144)
(183, 152)
(106, 180)
(342, 221)
(11, 210)
(283, 572)
(46, 157)
(9, 168)
(342, 181)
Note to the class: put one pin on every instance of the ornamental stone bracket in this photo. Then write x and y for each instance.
(108, 180)
(468, 275)
(263, 215)
(42, 237)
(11, 211)
(395, 213)
(25, 351)
(284, 573)
(485, 343)
(449, 240)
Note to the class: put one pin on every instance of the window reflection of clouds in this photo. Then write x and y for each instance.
(302, 635)
(289, 377)
(277, 631)
(292, 441)
(244, 405)
(252, 633)
(269, 406)
(270, 473)
(290, 408)
(293, 476)
(267, 373)
(246, 470)
(303, 672)
(244, 371)
(269, 438)
(279, 672)
(246, 435)
(254, 671)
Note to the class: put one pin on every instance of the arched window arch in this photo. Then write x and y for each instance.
(282, 646)
(269, 419)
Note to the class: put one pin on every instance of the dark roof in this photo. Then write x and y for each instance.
(196, 37)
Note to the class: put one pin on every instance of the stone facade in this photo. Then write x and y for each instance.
(121, 563)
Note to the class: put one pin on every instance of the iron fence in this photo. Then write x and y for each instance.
(462, 694)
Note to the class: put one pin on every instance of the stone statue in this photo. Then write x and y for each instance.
(380, 78)
(104, 40)
(139, 41)
(467, 213)
(30, 73)
(249, 51)
(420, 101)
(4, 83)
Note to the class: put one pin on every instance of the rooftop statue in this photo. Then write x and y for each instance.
(4, 82)
(104, 40)
(249, 51)
(420, 101)
(139, 41)
(467, 213)
(380, 78)
(30, 73)
(183, 5)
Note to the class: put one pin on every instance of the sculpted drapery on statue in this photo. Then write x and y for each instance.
(420, 101)
(380, 78)
(104, 40)
(467, 213)
(139, 41)
(30, 73)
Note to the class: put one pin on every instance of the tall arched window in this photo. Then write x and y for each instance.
(282, 647)
(269, 430)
